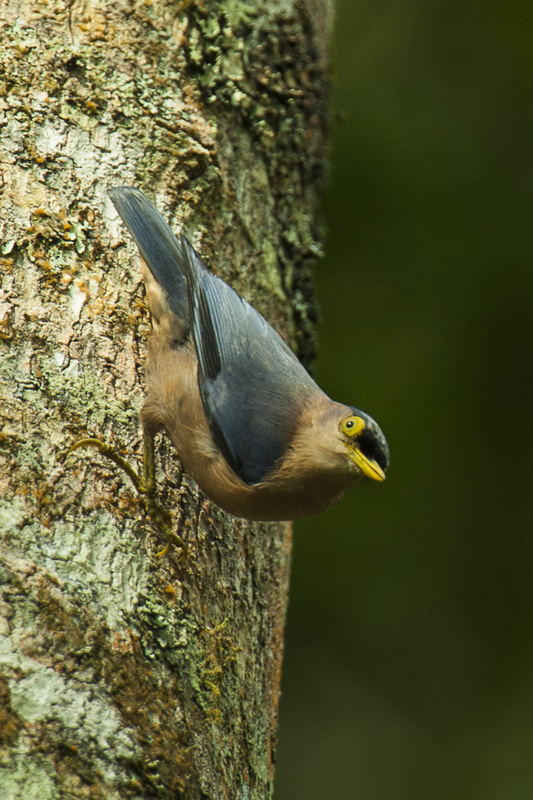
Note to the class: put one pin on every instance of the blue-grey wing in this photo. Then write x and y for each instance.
(252, 386)
(158, 246)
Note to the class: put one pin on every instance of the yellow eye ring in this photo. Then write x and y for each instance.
(352, 426)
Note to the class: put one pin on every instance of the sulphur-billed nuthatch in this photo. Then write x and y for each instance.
(250, 425)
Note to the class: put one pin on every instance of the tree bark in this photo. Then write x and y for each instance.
(126, 671)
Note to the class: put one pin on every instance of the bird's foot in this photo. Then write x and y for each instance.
(145, 484)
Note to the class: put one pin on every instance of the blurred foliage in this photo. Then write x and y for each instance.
(409, 660)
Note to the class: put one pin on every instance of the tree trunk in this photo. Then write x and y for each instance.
(126, 671)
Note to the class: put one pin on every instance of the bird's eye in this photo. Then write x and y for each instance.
(351, 426)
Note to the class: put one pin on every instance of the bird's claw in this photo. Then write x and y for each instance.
(144, 483)
(113, 455)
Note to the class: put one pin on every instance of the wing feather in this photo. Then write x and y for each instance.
(253, 387)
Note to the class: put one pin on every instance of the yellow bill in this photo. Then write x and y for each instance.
(370, 467)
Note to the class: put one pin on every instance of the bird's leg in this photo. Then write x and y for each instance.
(112, 454)
(145, 483)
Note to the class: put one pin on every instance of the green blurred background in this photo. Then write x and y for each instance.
(409, 659)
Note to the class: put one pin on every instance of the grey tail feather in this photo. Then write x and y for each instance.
(158, 246)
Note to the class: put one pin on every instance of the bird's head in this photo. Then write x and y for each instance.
(365, 443)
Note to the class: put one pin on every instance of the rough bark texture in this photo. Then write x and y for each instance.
(124, 673)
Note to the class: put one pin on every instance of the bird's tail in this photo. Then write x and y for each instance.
(163, 254)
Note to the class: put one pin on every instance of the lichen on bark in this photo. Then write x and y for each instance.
(124, 673)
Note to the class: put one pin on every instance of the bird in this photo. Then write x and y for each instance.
(249, 424)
